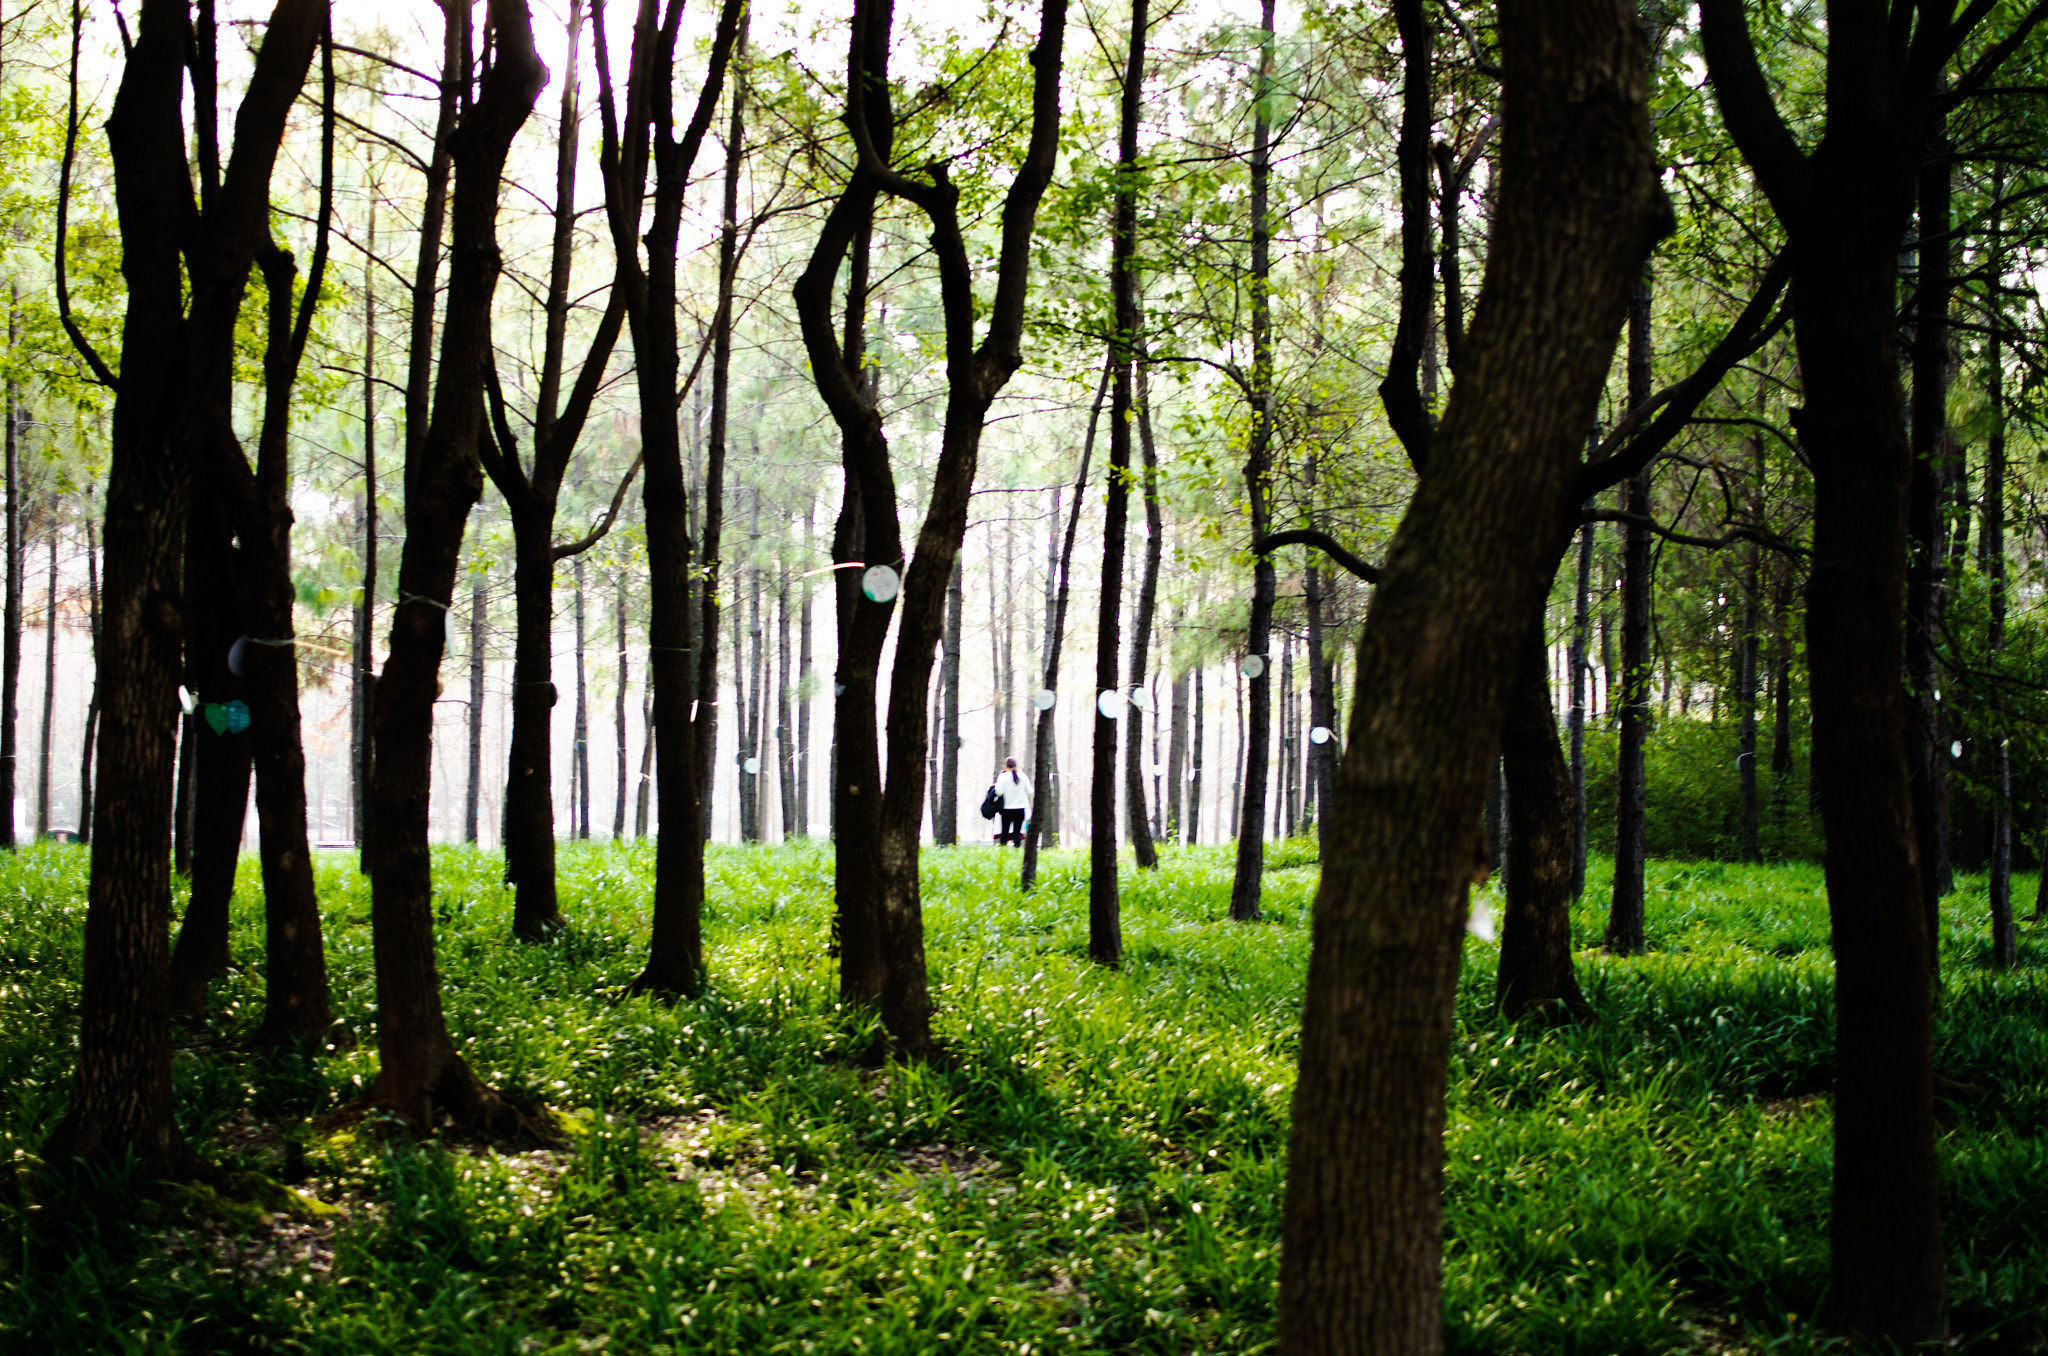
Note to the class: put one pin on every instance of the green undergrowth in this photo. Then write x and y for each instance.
(1099, 1165)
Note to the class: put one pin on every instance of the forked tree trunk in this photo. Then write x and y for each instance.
(422, 1076)
(173, 363)
(638, 138)
(1578, 208)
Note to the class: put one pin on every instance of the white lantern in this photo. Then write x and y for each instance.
(1252, 665)
(1045, 699)
(881, 583)
(1110, 703)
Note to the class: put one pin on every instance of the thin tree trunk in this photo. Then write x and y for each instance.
(1927, 750)
(646, 784)
(1625, 921)
(92, 705)
(362, 675)
(946, 818)
(1251, 842)
(579, 811)
(785, 747)
(1582, 673)
(479, 605)
(1176, 759)
(49, 688)
(1195, 764)
(804, 683)
(10, 617)
(1045, 810)
(619, 720)
(2004, 936)
(1138, 761)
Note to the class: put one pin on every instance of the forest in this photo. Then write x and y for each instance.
(1328, 678)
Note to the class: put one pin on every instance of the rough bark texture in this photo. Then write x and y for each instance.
(1251, 816)
(1536, 973)
(1844, 206)
(1464, 579)
(1631, 772)
(174, 387)
(422, 1078)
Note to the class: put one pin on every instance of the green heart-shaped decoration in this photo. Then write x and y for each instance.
(216, 715)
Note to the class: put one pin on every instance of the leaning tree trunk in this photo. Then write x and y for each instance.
(1578, 208)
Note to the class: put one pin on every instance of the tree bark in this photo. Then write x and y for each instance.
(1927, 749)
(946, 822)
(1138, 759)
(422, 1076)
(619, 720)
(1625, 920)
(472, 805)
(10, 614)
(1251, 819)
(1578, 208)
(1582, 672)
(1536, 973)
(1843, 208)
(362, 672)
(49, 687)
(175, 378)
(92, 705)
(1998, 888)
(1176, 760)
(646, 133)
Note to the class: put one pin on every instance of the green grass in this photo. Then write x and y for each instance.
(1101, 1170)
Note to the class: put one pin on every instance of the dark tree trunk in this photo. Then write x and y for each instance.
(946, 815)
(2004, 937)
(92, 705)
(1631, 773)
(887, 901)
(1138, 759)
(1927, 748)
(646, 132)
(579, 773)
(10, 614)
(1578, 208)
(175, 377)
(1251, 818)
(785, 749)
(222, 761)
(645, 787)
(1322, 703)
(1582, 672)
(1536, 973)
(619, 720)
(472, 805)
(362, 675)
(1176, 760)
(803, 706)
(49, 687)
(1195, 765)
(1844, 208)
(423, 1077)
(1045, 809)
(710, 558)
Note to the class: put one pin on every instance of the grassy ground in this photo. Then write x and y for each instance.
(1102, 1171)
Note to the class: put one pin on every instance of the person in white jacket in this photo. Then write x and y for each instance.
(1016, 803)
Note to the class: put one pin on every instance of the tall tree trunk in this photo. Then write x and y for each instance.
(619, 719)
(1746, 679)
(1176, 759)
(646, 132)
(580, 811)
(1843, 209)
(472, 805)
(1927, 749)
(1578, 208)
(176, 372)
(710, 561)
(1044, 761)
(785, 748)
(1138, 760)
(92, 704)
(645, 786)
(2004, 936)
(1536, 972)
(49, 688)
(362, 648)
(10, 615)
(1251, 840)
(423, 1076)
(1582, 673)
(223, 761)
(1625, 912)
(804, 685)
(1195, 764)
(946, 817)
(1322, 702)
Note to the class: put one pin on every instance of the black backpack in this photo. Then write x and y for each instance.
(991, 802)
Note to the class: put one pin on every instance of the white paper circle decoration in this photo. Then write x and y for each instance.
(238, 656)
(1252, 665)
(752, 765)
(880, 583)
(1159, 769)
(1955, 750)
(1141, 699)
(1110, 703)
(1319, 735)
(1045, 699)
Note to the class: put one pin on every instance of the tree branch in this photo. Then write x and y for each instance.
(597, 534)
(1322, 541)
